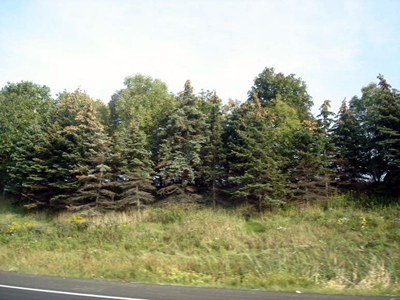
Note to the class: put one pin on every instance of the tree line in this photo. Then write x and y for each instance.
(149, 145)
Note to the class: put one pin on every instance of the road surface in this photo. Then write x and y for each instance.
(16, 286)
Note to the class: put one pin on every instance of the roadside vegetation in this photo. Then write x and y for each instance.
(189, 189)
(336, 247)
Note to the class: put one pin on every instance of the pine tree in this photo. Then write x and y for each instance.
(115, 181)
(372, 164)
(21, 105)
(182, 140)
(388, 123)
(68, 140)
(135, 168)
(346, 135)
(325, 125)
(92, 197)
(212, 169)
(28, 170)
(255, 165)
(307, 174)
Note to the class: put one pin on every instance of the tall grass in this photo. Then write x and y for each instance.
(334, 248)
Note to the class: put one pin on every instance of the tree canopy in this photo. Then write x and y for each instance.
(148, 145)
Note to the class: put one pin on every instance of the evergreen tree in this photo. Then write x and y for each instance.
(255, 165)
(135, 168)
(312, 158)
(388, 123)
(371, 159)
(115, 181)
(325, 126)
(21, 105)
(346, 136)
(28, 171)
(185, 134)
(91, 196)
(115, 120)
(212, 169)
(68, 141)
(307, 173)
(103, 115)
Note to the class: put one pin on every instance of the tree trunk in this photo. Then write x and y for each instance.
(326, 185)
(4, 185)
(98, 191)
(138, 199)
(213, 194)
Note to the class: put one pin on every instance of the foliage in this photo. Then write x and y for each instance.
(268, 85)
(310, 172)
(255, 164)
(22, 105)
(342, 248)
(148, 144)
(145, 101)
(370, 156)
(103, 115)
(388, 123)
(345, 135)
(184, 135)
(49, 161)
(212, 171)
(307, 174)
(135, 168)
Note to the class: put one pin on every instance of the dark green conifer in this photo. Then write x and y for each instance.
(185, 134)
(213, 166)
(21, 105)
(255, 165)
(307, 173)
(327, 156)
(346, 135)
(115, 181)
(135, 168)
(68, 140)
(388, 123)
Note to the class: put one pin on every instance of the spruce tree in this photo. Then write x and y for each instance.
(28, 171)
(92, 197)
(346, 139)
(307, 173)
(135, 168)
(372, 163)
(183, 137)
(388, 122)
(212, 169)
(255, 165)
(21, 105)
(115, 181)
(69, 139)
(325, 125)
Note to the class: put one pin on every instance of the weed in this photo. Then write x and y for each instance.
(338, 247)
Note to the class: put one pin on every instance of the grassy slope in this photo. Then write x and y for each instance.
(338, 250)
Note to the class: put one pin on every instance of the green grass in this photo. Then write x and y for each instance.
(339, 248)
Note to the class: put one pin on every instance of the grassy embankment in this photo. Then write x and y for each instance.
(339, 249)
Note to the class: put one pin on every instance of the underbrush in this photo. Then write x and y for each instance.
(335, 247)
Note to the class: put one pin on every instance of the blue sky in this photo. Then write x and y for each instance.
(336, 47)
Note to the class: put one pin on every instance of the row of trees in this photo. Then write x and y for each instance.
(146, 144)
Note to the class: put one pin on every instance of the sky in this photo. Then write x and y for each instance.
(336, 47)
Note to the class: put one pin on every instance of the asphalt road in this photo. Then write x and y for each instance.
(16, 286)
